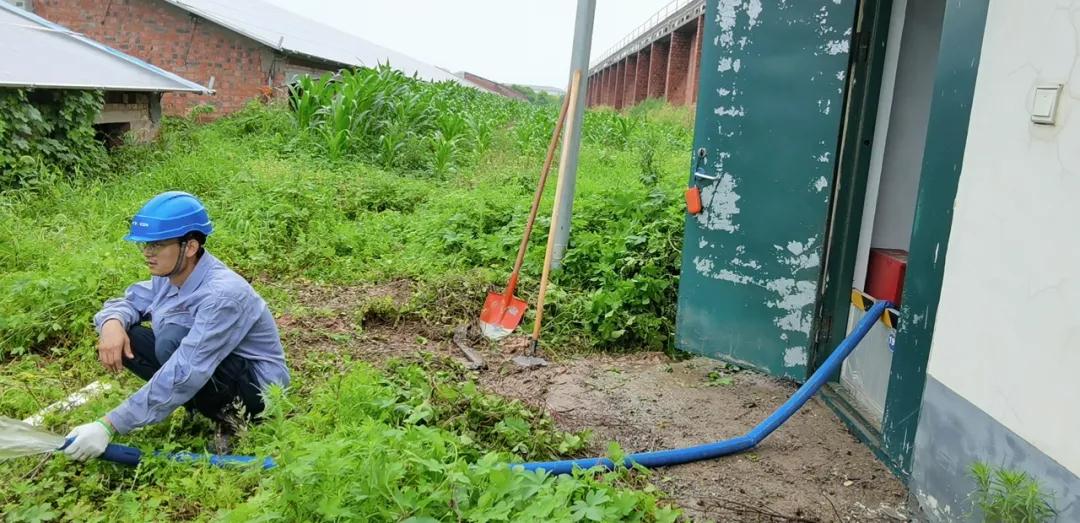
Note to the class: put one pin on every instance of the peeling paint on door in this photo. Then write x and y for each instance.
(835, 47)
(768, 119)
(719, 201)
(795, 356)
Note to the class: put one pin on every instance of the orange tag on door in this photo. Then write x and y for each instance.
(693, 200)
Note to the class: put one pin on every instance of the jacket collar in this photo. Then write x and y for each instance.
(202, 268)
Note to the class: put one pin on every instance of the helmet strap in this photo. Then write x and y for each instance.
(179, 260)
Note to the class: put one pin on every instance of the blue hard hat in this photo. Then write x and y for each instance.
(169, 215)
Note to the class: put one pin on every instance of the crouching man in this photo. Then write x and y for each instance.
(213, 345)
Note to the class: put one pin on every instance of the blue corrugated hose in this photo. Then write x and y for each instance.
(126, 455)
(664, 458)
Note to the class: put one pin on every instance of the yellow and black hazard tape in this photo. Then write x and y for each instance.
(891, 317)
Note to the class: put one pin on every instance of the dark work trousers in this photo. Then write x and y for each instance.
(233, 380)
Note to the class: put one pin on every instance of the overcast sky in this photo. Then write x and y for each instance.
(509, 41)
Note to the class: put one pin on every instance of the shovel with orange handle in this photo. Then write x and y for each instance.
(502, 313)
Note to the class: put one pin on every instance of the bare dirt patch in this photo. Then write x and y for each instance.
(810, 469)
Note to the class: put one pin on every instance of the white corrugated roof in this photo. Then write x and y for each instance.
(290, 32)
(38, 53)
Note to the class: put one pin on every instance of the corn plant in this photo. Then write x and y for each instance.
(623, 130)
(452, 126)
(401, 122)
(390, 146)
(444, 153)
(308, 96)
(533, 132)
(481, 133)
(338, 126)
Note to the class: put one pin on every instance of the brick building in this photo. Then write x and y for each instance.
(491, 86)
(242, 49)
(47, 59)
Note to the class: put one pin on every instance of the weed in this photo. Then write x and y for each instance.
(415, 441)
(719, 378)
(47, 136)
(370, 177)
(380, 310)
(1010, 496)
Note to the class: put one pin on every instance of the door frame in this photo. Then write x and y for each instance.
(955, 75)
(849, 183)
(845, 220)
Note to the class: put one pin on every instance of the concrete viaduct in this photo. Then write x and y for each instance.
(658, 59)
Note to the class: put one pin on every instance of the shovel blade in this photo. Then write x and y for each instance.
(498, 321)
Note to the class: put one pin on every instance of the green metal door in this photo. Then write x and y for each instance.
(768, 122)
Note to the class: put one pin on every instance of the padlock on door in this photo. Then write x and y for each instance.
(693, 192)
(693, 199)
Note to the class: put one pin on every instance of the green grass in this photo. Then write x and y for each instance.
(412, 443)
(295, 205)
(283, 211)
(1010, 496)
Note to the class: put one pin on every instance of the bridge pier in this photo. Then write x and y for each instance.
(609, 90)
(629, 80)
(660, 59)
(695, 62)
(678, 68)
(658, 68)
(620, 80)
(641, 81)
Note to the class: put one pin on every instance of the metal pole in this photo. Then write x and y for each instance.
(579, 59)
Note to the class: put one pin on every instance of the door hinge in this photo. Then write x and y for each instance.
(824, 326)
(862, 46)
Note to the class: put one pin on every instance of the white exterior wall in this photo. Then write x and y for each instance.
(1007, 337)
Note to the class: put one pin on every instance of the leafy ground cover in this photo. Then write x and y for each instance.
(369, 179)
(412, 442)
(284, 210)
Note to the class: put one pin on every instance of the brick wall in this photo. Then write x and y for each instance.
(127, 112)
(170, 38)
(678, 68)
(620, 77)
(641, 89)
(629, 83)
(609, 91)
(658, 68)
(695, 62)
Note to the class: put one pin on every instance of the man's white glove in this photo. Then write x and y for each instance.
(90, 440)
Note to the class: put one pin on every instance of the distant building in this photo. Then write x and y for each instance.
(491, 86)
(41, 55)
(242, 49)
